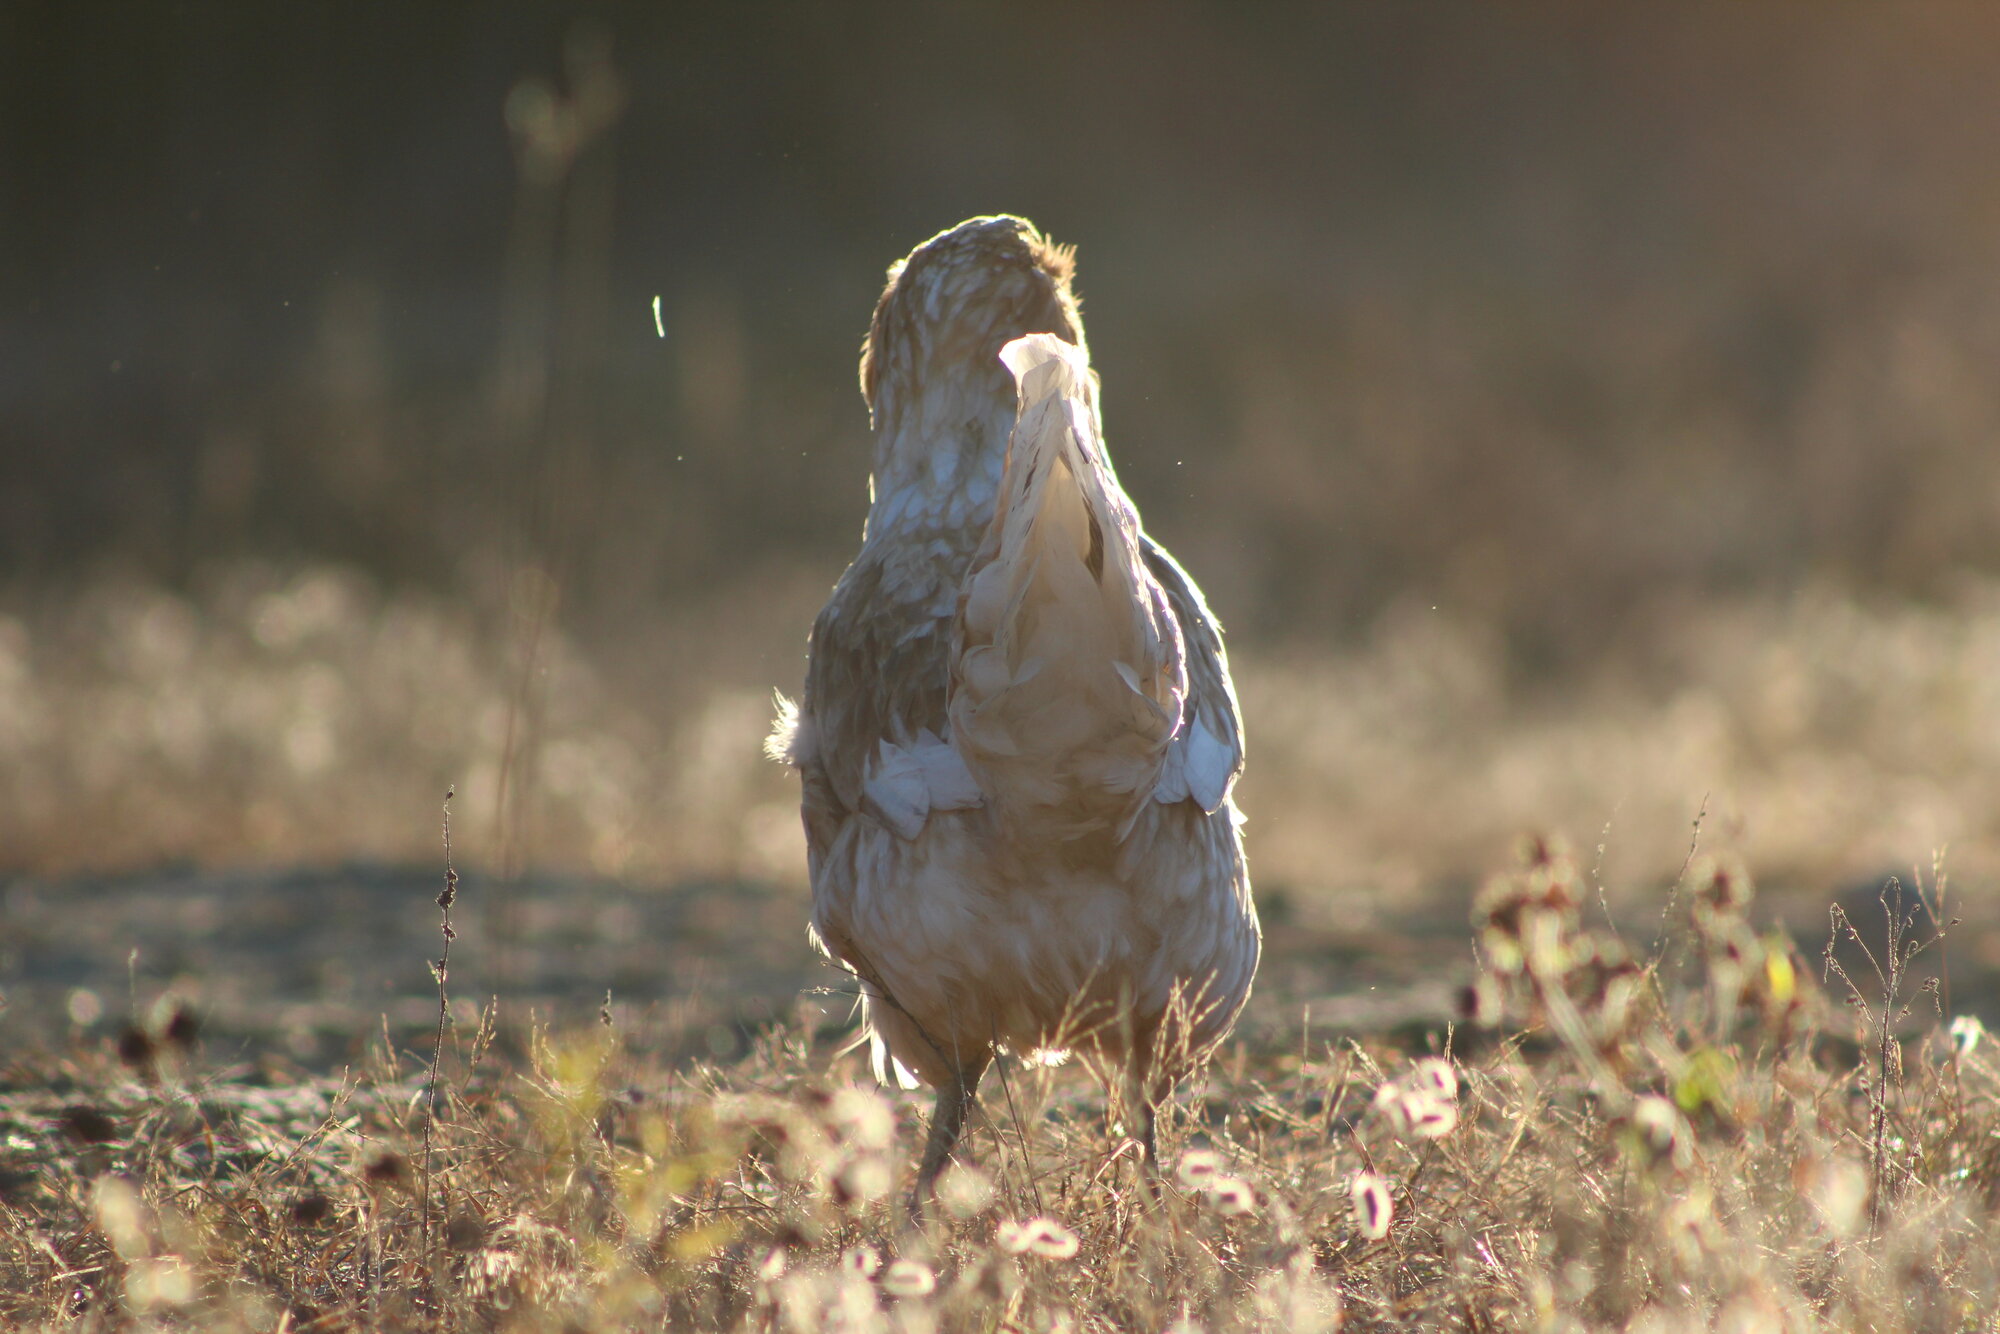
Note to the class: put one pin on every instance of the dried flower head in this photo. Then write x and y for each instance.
(181, 1026)
(387, 1168)
(136, 1047)
(862, 1181)
(1422, 1104)
(1232, 1197)
(465, 1231)
(1197, 1168)
(1524, 917)
(1657, 1131)
(1038, 1236)
(1480, 1002)
(311, 1209)
(1372, 1205)
(87, 1125)
(965, 1192)
(1436, 1074)
(861, 1117)
(1838, 1187)
(1430, 1116)
(1722, 886)
(908, 1278)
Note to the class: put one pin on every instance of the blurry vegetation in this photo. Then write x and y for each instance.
(1709, 1130)
(317, 717)
(1569, 414)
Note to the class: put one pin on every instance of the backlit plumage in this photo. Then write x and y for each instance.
(1018, 737)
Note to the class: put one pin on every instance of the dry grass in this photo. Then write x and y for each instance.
(1698, 1133)
(1506, 434)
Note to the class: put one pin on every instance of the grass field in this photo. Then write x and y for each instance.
(1713, 1129)
(1582, 419)
(1662, 1102)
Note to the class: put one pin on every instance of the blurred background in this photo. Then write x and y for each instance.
(1581, 418)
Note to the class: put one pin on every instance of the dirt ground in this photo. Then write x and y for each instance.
(311, 967)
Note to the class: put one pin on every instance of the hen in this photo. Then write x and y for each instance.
(1018, 736)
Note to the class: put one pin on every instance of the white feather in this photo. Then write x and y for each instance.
(1200, 765)
(906, 783)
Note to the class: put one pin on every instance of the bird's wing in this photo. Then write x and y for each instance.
(867, 734)
(1207, 752)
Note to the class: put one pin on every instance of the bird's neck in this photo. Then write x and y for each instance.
(938, 460)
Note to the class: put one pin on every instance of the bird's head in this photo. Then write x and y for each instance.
(952, 305)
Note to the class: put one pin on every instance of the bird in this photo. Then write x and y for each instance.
(1018, 740)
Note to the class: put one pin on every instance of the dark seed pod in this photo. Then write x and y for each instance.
(87, 1125)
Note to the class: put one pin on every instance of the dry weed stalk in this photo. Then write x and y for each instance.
(441, 974)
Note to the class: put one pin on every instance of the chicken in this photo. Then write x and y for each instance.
(1018, 736)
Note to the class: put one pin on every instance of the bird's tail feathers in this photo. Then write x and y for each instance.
(1068, 675)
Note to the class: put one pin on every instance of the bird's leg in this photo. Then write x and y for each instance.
(954, 1100)
(1143, 1107)
(1149, 1082)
